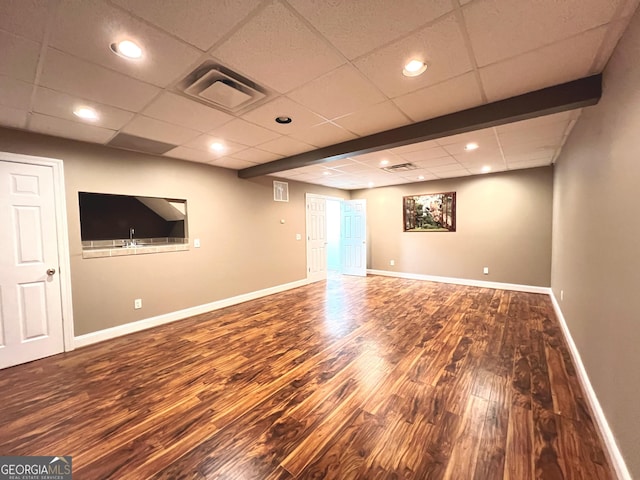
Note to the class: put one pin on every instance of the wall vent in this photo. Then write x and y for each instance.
(280, 191)
(219, 87)
(402, 167)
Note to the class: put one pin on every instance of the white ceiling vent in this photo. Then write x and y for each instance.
(219, 87)
(402, 167)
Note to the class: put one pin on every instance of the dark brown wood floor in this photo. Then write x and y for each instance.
(351, 378)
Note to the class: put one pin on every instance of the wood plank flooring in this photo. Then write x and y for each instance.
(353, 378)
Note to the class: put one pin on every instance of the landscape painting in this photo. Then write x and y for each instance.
(432, 212)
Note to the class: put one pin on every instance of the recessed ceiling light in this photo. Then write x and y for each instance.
(283, 120)
(421, 177)
(217, 147)
(384, 162)
(370, 184)
(486, 169)
(414, 68)
(86, 113)
(471, 146)
(127, 49)
(326, 172)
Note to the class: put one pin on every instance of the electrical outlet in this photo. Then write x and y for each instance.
(196, 243)
(137, 303)
(561, 295)
(392, 262)
(485, 270)
(298, 236)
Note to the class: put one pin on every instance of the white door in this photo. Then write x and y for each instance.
(353, 237)
(316, 238)
(30, 297)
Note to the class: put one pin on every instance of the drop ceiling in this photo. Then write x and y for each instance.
(334, 67)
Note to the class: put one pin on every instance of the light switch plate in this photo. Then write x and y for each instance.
(298, 236)
(196, 243)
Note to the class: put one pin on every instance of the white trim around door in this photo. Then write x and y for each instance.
(62, 236)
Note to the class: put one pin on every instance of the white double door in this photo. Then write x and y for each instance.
(31, 325)
(353, 237)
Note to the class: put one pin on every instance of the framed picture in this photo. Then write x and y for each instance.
(431, 212)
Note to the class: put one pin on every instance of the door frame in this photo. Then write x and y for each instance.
(62, 234)
(306, 221)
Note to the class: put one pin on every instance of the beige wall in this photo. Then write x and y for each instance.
(503, 222)
(244, 246)
(596, 243)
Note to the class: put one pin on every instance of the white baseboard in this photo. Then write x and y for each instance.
(109, 333)
(611, 445)
(463, 281)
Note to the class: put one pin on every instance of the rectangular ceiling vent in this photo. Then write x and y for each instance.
(402, 167)
(219, 87)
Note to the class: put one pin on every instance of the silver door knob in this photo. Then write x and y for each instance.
(51, 271)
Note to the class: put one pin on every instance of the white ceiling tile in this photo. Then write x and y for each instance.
(286, 146)
(356, 27)
(18, 57)
(536, 70)
(71, 75)
(415, 147)
(232, 163)
(528, 152)
(483, 158)
(454, 173)
(201, 22)
(275, 48)
(244, 132)
(13, 117)
(501, 29)
(203, 142)
(529, 156)
(488, 146)
(374, 119)
(191, 154)
(445, 168)
(534, 123)
(352, 167)
(485, 138)
(147, 127)
(266, 114)
(255, 155)
(551, 132)
(26, 18)
(481, 170)
(428, 151)
(414, 175)
(541, 162)
(15, 93)
(179, 110)
(451, 96)
(338, 93)
(61, 105)
(376, 158)
(67, 129)
(323, 135)
(441, 45)
(434, 162)
(86, 29)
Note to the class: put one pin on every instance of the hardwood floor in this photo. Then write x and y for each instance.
(352, 378)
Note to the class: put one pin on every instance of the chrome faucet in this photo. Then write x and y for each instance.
(132, 242)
